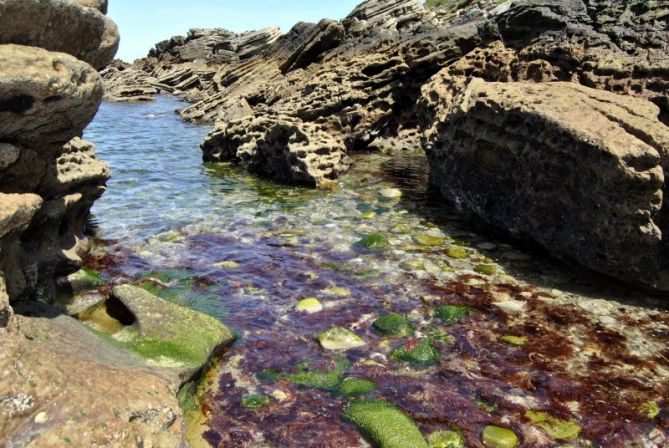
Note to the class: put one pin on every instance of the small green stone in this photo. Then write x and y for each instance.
(368, 215)
(452, 314)
(339, 338)
(384, 424)
(374, 241)
(496, 437)
(420, 352)
(458, 253)
(554, 427)
(229, 264)
(338, 291)
(255, 401)
(310, 306)
(486, 269)
(428, 240)
(518, 341)
(445, 439)
(354, 387)
(393, 325)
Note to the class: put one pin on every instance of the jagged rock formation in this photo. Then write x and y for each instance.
(369, 82)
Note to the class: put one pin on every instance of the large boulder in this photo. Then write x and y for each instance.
(577, 170)
(60, 25)
(282, 148)
(46, 98)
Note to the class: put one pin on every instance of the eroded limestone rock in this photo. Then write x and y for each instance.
(587, 186)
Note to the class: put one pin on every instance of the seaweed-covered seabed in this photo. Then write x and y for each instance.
(538, 336)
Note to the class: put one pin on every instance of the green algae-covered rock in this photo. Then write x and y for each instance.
(374, 241)
(517, 341)
(428, 240)
(452, 314)
(496, 437)
(317, 379)
(418, 351)
(255, 401)
(339, 338)
(310, 306)
(393, 325)
(445, 439)
(229, 264)
(384, 424)
(556, 428)
(85, 279)
(165, 333)
(354, 387)
(650, 409)
(458, 253)
(486, 269)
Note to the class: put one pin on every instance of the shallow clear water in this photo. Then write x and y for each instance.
(246, 251)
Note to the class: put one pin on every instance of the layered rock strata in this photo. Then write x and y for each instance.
(378, 80)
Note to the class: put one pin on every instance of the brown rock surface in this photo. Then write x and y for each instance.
(587, 186)
(62, 26)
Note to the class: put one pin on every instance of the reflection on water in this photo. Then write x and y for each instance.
(535, 337)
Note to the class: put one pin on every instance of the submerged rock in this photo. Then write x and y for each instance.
(310, 306)
(496, 437)
(556, 428)
(339, 339)
(165, 333)
(417, 351)
(384, 424)
(445, 439)
(354, 387)
(393, 325)
(374, 241)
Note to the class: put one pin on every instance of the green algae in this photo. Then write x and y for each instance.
(355, 387)
(316, 379)
(517, 341)
(310, 306)
(486, 269)
(85, 279)
(420, 352)
(384, 424)
(565, 430)
(452, 314)
(497, 437)
(458, 253)
(229, 264)
(650, 409)
(490, 408)
(255, 401)
(393, 324)
(445, 439)
(374, 241)
(429, 240)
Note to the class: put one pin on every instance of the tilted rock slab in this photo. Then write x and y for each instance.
(46, 98)
(60, 25)
(282, 148)
(577, 170)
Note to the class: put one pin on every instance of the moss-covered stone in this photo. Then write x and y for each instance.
(85, 279)
(165, 333)
(556, 428)
(337, 291)
(317, 379)
(255, 401)
(418, 351)
(310, 306)
(228, 264)
(354, 387)
(393, 324)
(458, 253)
(517, 341)
(428, 240)
(496, 437)
(452, 314)
(339, 338)
(374, 241)
(368, 215)
(445, 439)
(384, 424)
(650, 410)
(486, 269)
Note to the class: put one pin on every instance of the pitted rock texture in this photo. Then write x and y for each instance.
(588, 186)
(46, 98)
(62, 26)
(362, 82)
(282, 148)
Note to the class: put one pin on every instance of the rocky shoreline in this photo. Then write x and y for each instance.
(63, 384)
(392, 76)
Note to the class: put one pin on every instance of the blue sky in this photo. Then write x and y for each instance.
(142, 23)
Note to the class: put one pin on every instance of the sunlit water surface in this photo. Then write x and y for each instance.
(247, 250)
